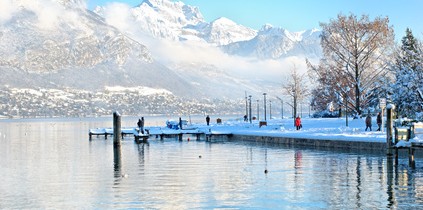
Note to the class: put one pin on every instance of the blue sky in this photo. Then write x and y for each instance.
(300, 15)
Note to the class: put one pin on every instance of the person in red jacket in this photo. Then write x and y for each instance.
(298, 123)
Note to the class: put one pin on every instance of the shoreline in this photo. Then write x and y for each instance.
(321, 143)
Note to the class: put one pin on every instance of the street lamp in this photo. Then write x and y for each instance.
(264, 95)
(249, 99)
(301, 107)
(246, 106)
(270, 109)
(258, 110)
(281, 106)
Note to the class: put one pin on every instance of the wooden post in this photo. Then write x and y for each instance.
(117, 131)
(390, 178)
(389, 127)
(137, 139)
(117, 161)
(396, 156)
(411, 161)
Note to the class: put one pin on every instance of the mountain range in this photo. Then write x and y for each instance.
(60, 44)
(164, 19)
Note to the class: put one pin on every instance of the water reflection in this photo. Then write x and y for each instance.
(54, 165)
(117, 163)
(141, 154)
(390, 181)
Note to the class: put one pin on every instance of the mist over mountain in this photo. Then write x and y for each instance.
(178, 35)
(160, 44)
(75, 48)
(164, 19)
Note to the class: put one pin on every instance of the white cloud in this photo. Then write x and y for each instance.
(7, 9)
(172, 53)
(119, 16)
(49, 13)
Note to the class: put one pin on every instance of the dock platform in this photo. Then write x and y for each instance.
(162, 133)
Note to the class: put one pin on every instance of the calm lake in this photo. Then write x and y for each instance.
(51, 163)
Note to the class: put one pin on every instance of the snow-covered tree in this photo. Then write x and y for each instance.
(408, 70)
(355, 54)
(296, 87)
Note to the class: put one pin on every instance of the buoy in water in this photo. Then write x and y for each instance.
(188, 139)
(265, 171)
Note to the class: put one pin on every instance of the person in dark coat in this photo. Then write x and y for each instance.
(139, 125)
(368, 122)
(379, 121)
(208, 120)
(142, 125)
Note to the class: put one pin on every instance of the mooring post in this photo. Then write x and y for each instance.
(117, 129)
(117, 161)
(411, 161)
(389, 127)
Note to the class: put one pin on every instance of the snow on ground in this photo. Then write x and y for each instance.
(313, 128)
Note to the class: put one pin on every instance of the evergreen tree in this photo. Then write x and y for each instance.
(408, 73)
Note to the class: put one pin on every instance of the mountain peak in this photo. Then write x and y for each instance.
(177, 8)
(266, 27)
(223, 21)
(223, 31)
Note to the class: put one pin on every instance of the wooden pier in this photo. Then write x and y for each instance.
(162, 133)
(109, 132)
(412, 147)
(411, 152)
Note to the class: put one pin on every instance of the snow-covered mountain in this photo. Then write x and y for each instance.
(59, 44)
(223, 31)
(276, 43)
(176, 21)
(74, 48)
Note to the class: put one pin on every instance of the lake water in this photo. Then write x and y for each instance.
(52, 164)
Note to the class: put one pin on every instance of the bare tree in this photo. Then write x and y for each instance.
(296, 88)
(355, 53)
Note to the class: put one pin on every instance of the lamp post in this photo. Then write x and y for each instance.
(281, 106)
(246, 105)
(249, 99)
(301, 107)
(258, 110)
(270, 109)
(264, 95)
(346, 111)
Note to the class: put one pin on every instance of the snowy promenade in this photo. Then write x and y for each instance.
(332, 132)
(313, 128)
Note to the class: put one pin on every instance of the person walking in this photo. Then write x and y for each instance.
(208, 120)
(368, 122)
(139, 125)
(298, 123)
(142, 125)
(379, 121)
